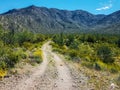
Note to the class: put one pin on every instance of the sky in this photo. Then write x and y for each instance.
(92, 6)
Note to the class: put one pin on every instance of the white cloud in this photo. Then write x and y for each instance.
(105, 7)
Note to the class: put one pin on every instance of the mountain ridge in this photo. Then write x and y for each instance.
(52, 20)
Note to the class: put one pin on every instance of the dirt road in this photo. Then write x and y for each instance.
(51, 74)
(29, 83)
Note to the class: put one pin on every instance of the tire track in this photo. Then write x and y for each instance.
(40, 70)
(64, 80)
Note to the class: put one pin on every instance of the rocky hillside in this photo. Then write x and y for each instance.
(44, 20)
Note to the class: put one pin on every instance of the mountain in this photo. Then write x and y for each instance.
(110, 19)
(110, 23)
(52, 20)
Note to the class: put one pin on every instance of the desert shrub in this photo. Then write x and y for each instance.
(91, 39)
(113, 70)
(74, 44)
(2, 64)
(40, 38)
(98, 51)
(38, 53)
(88, 64)
(105, 54)
(3, 73)
(37, 59)
(12, 59)
(73, 53)
(97, 66)
(54, 45)
(9, 57)
(3, 56)
(61, 49)
(24, 36)
(38, 56)
(58, 39)
(27, 45)
(23, 56)
(85, 50)
(21, 53)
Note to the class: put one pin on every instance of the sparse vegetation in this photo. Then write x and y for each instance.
(14, 48)
(97, 55)
(38, 56)
(94, 51)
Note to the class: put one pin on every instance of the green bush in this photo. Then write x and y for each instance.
(85, 50)
(9, 57)
(97, 66)
(12, 59)
(2, 64)
(105, 54)
(23, 56)
(87, 64)
(36, 57)
(96, 51)
(73, 53)
(113, 70)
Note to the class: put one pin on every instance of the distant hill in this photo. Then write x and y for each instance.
(51, 20)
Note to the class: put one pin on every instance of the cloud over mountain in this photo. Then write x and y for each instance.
(106, 6)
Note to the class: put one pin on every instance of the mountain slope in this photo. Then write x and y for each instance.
(44, 20)
(109, 24)
(110, 19)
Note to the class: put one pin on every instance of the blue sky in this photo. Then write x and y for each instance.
(93, 6)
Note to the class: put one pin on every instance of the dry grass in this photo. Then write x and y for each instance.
(99, 80)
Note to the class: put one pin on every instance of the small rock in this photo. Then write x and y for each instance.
(61, 65)
(55, 85)
(61, 79)
(74, 85)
